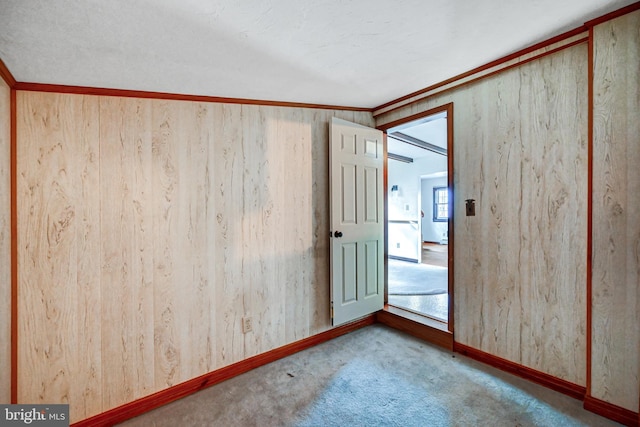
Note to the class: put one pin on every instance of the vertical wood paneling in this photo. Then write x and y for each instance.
(86, 373)
(126, 271)
(616, 217)
(296, 189)
(194, 137)
(5, 242)
(150, 228)
(320, 280)
(58, 251)
(227, 156)
(256, 204)
(280, 134)
(520, 150)
(167, 256)
(182, 212)
(554, 212)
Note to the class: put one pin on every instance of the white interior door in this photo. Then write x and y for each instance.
(357, 221)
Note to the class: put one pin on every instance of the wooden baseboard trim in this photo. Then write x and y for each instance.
(153, 401)
(549, 381)
(611, 411)
(422, 330)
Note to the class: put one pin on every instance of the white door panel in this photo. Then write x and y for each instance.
(357, 247)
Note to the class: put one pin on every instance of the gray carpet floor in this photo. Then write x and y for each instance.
(375, 376)
(410, 278)
(436, 306)
(421, 288)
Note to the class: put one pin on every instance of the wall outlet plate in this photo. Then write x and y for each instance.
(247, 325)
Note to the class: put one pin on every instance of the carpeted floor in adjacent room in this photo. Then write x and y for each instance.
(419, 287)
(375, 376)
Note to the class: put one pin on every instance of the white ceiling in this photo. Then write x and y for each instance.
(359, 53)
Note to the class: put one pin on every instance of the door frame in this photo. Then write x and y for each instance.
(450, 170)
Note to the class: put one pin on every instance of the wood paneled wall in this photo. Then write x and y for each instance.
(520, 150)
(148, 229)
(616, 212)
(5, 243)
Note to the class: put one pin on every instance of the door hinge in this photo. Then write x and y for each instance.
(331, 310)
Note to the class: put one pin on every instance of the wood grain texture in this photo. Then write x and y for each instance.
(5, 243)
(616, 218)
(59, 327)
(257, 207)
(123, 192)
(554, 214)
(150, 228)
(296, 188)
(521, 151)
(228, 188)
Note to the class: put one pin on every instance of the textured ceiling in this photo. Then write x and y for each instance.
(359, 53)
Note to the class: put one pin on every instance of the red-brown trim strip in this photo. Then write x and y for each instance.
(430, 112)
(6, 75)
(385, 203)
(451, 227)
(611, 411)
(589, 283)
(493, 73)
(84, 90)
(419, 330)
(615, 14)
(140, 406)
(491, 64)
(14, 245)
(549, 381)
(450, 250)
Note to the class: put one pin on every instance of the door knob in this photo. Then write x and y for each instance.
(338, 234)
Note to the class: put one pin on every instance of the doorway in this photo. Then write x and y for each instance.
(419, 211)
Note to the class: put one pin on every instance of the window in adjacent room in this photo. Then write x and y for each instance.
(440, 204)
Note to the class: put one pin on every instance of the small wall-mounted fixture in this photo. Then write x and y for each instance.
(394, 188)
(471, 207)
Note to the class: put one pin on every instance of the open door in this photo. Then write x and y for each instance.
(356, 220)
